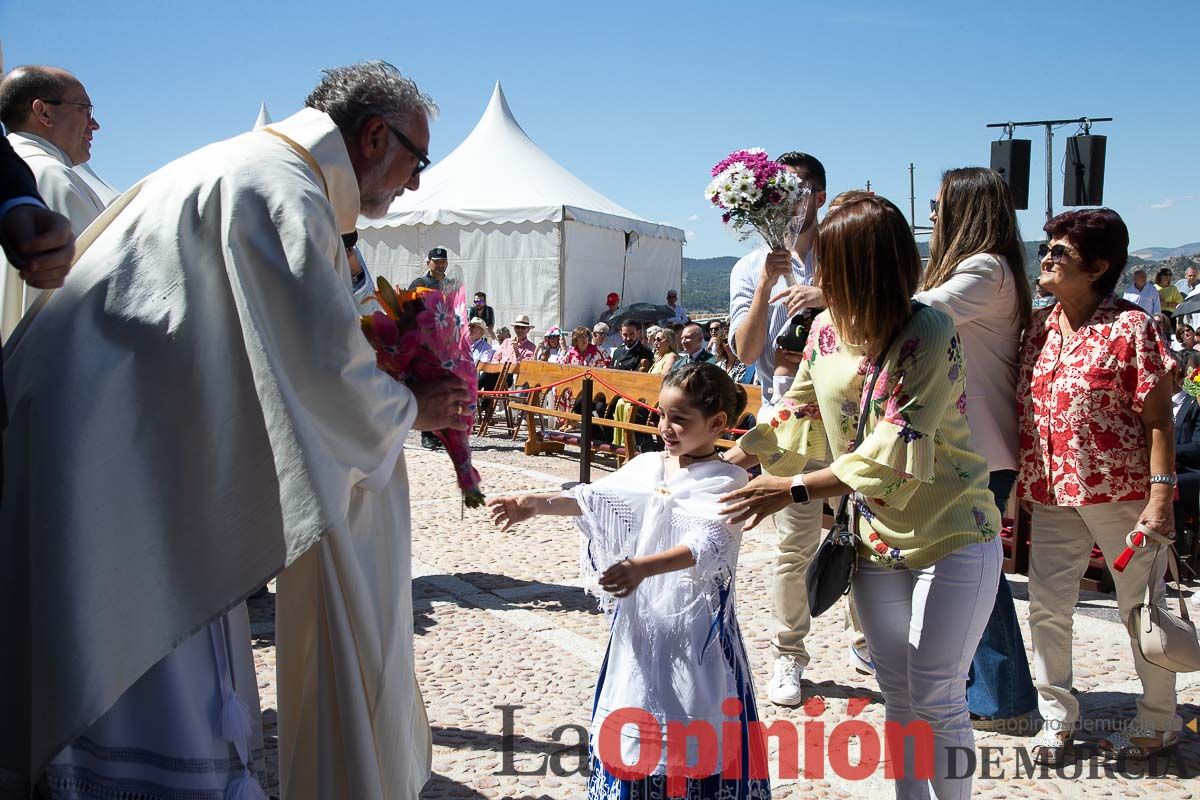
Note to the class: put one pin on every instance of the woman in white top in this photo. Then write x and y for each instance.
(976, 274)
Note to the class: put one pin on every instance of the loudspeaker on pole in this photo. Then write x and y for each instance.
(1010, 158)
(1083, 183)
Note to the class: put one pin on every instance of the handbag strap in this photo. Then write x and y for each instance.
(842, 513)
(1172, 568)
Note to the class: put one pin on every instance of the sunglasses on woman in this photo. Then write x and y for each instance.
(1057, 253)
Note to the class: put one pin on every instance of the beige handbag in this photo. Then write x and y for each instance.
(1164, 640)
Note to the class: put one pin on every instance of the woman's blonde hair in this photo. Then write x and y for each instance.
(867, 267)
(671, 337)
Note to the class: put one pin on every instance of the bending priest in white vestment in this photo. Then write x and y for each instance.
(194, 410)
(49, 119)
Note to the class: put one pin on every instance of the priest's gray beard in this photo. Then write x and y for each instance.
(375, 195)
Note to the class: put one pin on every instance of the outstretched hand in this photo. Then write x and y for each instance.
(508, 510)
(757, 500)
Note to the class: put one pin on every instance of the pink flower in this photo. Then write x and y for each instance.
(891, 411)
(881, 386)
(827, 340)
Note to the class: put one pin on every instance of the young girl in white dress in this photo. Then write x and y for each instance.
(657, 553)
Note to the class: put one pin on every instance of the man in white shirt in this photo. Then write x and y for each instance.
(481, 348)
(49, 119)
(766, 289)
(680, 317)
(1143, 293)
(1188, 283)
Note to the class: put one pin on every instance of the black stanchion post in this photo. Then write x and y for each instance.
(585, 432)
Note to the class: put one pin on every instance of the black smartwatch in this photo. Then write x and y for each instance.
(800, 491)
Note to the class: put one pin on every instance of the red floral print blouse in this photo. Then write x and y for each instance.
(590, 357)
(1082, 440)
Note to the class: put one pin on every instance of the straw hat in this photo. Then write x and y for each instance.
(522, 321)
(476, 321)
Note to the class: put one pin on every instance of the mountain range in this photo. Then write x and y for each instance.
(706, 280)
(1160, 253)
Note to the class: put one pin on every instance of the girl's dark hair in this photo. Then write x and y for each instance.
(709, 389)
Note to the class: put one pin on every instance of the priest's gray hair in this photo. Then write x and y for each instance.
(354, 94)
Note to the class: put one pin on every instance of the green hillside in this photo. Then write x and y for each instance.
(706, 284)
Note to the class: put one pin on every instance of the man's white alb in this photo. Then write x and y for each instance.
(193, 411)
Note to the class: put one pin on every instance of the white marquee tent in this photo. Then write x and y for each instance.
(523, 229)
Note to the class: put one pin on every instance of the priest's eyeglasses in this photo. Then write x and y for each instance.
(88, 106)
(423, 161)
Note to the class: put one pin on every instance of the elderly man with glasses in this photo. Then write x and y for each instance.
(50, 124)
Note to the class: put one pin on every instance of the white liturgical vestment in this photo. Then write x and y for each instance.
(195, 410)
(63, 190)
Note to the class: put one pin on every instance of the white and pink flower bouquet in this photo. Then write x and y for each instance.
(759, 195)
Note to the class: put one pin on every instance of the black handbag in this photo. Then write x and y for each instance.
(832, 568)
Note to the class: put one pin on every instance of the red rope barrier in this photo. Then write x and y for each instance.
(530, 389)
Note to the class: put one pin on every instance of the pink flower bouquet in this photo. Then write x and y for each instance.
(758, 195)
(421, 335)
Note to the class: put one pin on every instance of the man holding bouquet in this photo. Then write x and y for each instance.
(767, 290)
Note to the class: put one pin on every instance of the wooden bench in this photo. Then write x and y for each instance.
(487, 405)
(642, 387)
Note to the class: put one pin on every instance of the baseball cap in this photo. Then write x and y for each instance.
(437, 254)
(554, 330)
(613, 298)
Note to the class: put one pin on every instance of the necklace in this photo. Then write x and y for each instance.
(703, 457)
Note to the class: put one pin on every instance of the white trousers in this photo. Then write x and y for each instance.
(1061, 540)
(922, 627)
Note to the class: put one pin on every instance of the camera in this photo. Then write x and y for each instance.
(795, 335)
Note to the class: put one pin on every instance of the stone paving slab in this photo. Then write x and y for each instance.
(501, 620)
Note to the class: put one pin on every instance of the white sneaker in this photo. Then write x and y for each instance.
(784, 686)
(861, 661)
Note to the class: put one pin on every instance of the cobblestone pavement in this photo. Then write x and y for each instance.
(501, 622)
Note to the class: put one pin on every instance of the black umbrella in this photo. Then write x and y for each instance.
(640, 312)
(1189, 306)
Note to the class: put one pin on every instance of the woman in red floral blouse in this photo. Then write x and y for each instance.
(583, 353)
(1097, 458)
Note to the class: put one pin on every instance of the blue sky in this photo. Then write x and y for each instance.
(640, 99)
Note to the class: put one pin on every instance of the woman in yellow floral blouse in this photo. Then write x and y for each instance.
(927, 524)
